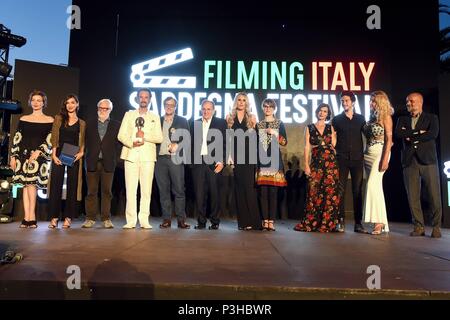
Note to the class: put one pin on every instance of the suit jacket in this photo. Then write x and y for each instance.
(152, 135)
(177, 123)
(197, 138)
(421, 145)
(109, 146)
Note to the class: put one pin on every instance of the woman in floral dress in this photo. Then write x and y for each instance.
(323, 193)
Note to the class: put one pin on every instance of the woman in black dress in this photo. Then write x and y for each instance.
(67, 128)
(323, 194)
(242, 123)
(30, 155)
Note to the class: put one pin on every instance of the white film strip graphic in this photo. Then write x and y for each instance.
(447, 169)
(141, 78)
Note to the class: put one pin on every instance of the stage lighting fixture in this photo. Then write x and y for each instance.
(11, 39)
(5, 69)
(8, 104)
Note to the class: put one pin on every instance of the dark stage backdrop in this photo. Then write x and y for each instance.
(444, 106)
(56, 82)
(300, 54)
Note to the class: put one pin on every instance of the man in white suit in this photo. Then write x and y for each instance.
(139, 132)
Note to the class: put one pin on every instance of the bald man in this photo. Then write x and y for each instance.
(419, 130)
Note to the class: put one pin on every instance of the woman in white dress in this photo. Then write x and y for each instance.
(378, 132)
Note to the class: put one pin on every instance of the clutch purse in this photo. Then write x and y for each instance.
(68, 153)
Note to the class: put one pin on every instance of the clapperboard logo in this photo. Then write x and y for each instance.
(142, 78)
(447, 169)
(447, 173)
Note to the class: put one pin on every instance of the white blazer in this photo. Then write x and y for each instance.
(152, 135)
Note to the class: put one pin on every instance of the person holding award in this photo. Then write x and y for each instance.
(139, 133)
(67, 141)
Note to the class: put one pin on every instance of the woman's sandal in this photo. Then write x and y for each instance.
(270, 226)
(53, 223)
(265, 225)
(379, 229)
(24, 224)
(32, 224)
(67, 222)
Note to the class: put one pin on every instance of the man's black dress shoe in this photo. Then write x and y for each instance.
(200, 226)
(213, 227)
(360, 229)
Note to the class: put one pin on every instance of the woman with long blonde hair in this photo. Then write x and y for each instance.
(378, 132)
(243, 122)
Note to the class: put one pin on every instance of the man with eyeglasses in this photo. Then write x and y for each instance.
(169, 172)
(102, 153)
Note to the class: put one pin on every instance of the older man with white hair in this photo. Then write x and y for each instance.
(102, 153)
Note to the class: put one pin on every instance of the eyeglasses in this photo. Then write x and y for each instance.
(169, 105)
(103, 109)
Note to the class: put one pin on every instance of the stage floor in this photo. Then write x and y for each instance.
(222, 264)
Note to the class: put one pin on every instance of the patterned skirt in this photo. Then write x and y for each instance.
(267, 177)
(31, 173)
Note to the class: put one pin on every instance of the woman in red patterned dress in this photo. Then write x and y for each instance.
(323, 193)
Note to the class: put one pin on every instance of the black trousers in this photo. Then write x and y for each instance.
(246, 195)
(268, 200)
(206, 183)
(56, 185)
(416, 176)
(91, 203)
(356, 169)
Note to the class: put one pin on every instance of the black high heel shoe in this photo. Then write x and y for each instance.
(24, 224)
(32, 224)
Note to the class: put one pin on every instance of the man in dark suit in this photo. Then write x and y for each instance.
(419, 130)
(102, 152)
(208, 152)
(169, 173)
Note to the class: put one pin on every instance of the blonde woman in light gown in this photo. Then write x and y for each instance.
(378, 132)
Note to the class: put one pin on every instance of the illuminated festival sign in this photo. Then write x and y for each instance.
(280, 80)
(447, 174)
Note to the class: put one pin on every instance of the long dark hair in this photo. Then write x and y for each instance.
(64, 114)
